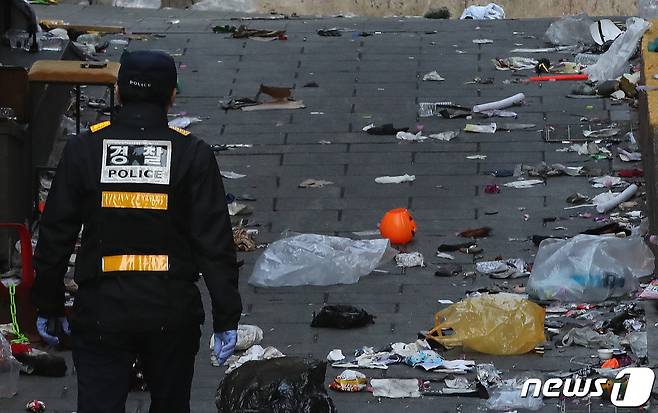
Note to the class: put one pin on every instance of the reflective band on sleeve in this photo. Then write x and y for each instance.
(136, 200)
(116, 263)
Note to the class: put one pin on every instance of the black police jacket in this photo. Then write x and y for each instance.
(151, 205)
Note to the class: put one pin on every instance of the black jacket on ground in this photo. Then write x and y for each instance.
(138, 189)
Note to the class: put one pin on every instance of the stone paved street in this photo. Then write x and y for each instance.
(363, 80)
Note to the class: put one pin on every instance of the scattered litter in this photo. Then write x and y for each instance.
(557, 49)
(395, 388)
(349, 381)
(607, 203)
(341, 316)
(515, 126)
(492, 189)
(311, 259)
(515, 63)
(602, 133)
(491, 11)
(35, 406)
(589, 268)
(445, 256)
(411, 137)
(386, 129)
(395, 179)
(629, 156)
(335, 355)
(409, 260)
(476, 157)
(445, 136)
(571, 30)
(651, 291)
(244, 32)
(433, 76)
(490, 128)
(256, 352)
(498, 113)
(243, 238)
(482, 232)
(512, 268)
(606, 181)
(500, 104)
(236, 208)
(183, 122)
(614, 62)
(500, 324)
(314, 183)
(442, 301)
(530, 183)
(482, 41)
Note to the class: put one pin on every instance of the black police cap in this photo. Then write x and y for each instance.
(146, 76)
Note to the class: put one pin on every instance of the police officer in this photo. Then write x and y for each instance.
(151, 204)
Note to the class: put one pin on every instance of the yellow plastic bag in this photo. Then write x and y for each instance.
(500, 324)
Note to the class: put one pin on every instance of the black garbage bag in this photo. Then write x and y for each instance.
(342, 316)
(281, 385)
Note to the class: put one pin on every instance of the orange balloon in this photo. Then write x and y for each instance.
(398, 226)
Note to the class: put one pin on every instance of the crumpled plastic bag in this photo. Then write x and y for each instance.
(507, 397)
(614, 62)
(342, 316)
(248, 336)
(280, 385)
(589, 268)
(9, 370)
(491, 11)
(570, 30)
(586, 337)
(499, 324)
(311, 259)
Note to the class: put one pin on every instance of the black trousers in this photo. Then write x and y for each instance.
(104, 361)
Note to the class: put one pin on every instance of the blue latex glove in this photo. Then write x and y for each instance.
(42, 329)
(225, 345)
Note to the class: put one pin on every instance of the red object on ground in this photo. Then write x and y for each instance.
(20, 348)
(630, 173)
(554, 78)
(398, 226)
(27, 278)
(492, 189)
(610, 364)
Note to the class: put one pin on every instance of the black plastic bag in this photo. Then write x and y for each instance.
(281, 385)
(342, 316)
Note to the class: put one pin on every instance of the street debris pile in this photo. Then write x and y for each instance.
(581, 290)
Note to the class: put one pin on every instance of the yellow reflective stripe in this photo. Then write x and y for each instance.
(180, 130)
(135, 263)
(136, 200)
(99, 126)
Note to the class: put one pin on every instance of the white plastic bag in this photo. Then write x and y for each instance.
(491, 11)
(589, 268)
(614, 62)
(9, 370)
(311, 259)
(570, 30)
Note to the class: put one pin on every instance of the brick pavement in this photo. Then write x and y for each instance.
(362, 80)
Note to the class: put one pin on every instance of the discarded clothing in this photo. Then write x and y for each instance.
(341, 316)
